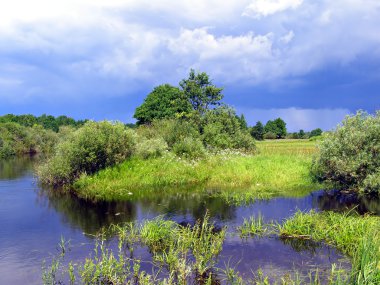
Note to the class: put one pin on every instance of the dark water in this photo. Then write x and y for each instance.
(32, 221)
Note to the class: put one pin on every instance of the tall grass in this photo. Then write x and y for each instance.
(277, 170)
(180, 255)
(357, 236)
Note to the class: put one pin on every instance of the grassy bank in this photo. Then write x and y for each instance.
(280, 168)
(356, 236)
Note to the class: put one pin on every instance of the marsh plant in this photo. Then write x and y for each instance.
(255, 226)
(356, 236)
(179, 255)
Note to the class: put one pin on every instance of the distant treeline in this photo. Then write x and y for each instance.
(277, 130)
(46, 121)
(27, 134)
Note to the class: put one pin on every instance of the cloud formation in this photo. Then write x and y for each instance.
(75, 50)
(263, 8)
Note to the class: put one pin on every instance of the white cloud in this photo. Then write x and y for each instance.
(77, 42)
(263, 8)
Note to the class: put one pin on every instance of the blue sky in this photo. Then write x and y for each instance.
(309, 62)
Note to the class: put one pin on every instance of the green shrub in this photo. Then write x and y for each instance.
(221, 129)
(190, 148)
(154, 147)
(87, 150)
(175, 130)
(349, 158)
(16, 139)
(270, 136)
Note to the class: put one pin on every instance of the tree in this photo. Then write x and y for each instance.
(243, 122)
(316, 132)
(277, 127)
(164, 102)
(257, 131)
(200, 91)
(301, 134)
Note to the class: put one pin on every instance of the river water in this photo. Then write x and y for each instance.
(33, 220)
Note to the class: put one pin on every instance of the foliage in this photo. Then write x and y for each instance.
(200, 91)
(270, 136)
(349, 158)
(153, 147)
(16, 139)
(46, 121)
(221, 129)
(257, 131)
(280, 168)
(90, 148)
(315, 133)
(189, 148)
(164, 102)
(278, 127)
(243, 122)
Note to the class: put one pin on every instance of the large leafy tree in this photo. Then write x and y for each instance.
(200, 91)
(164, 102)
(277, 127)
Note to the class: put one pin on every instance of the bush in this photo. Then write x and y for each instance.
(87, 150)
(349, 158)
(270, 136)
(221, 129)
(190, 148)
(147, 148)
(175, 130)
(16, 139)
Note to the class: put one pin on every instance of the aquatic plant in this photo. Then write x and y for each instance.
(357, 236)
(254, 226)
(180, 254)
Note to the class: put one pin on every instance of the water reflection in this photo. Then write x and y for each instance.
(338, 201)
(15, 167)
(33, 219)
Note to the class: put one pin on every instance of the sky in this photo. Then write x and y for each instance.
(310, 62)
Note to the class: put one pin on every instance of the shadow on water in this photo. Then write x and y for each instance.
(32, 220)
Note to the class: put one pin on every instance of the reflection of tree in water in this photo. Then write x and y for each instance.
(93, 216)
(185, 201)
(15, 167)
(89, 216)
(338, 201)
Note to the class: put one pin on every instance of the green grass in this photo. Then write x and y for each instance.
(253, 227)
(280, 168)
(356, 236)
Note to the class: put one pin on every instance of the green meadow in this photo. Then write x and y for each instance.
(278, 168)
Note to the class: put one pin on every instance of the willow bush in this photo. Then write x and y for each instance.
(93, 147)
(349, 157)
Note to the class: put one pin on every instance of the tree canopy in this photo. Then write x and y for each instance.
(164, 102)
(277, 127)
(257, 131)
(200, 91)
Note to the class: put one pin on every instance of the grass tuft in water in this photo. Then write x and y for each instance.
(356, 236)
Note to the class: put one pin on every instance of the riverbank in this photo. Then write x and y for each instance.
(280, 168)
